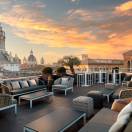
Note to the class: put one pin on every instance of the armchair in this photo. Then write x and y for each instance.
(7, 102)
(63, 84)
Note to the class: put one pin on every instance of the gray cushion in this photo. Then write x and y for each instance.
(59, 86)
(128, 127)
(82, 100)
(64, 80)
(101, 122)
(15, 85)
(32, 82)
(24, 84)
(30, 89)
(120, 123)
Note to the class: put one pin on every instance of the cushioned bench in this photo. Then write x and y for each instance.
(20, 87)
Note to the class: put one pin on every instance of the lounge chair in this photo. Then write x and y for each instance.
(126, 93)
(63, 84)
(7, 102)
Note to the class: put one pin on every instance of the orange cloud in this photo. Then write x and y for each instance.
(42, 30)
(79, 14)
(37, 28)
(125, 8)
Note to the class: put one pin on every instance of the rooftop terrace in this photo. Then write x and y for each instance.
(11, 123)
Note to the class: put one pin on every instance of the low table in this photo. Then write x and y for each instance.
(35, 96)
(107, 93)
(56, 121)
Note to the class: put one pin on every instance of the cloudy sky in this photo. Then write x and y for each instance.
(54, 28)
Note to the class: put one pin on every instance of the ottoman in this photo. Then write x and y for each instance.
(85, 104)
(97, 98)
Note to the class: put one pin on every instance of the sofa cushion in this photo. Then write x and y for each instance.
(101, 122)
(15, 85)
(127, 109)
(82, 100)
(119, 104)
(64, 80)
(37, 81)
(24, 84)
(59, 86)
(120, 123)
(128, 127)
(30, 89)
(32, 82)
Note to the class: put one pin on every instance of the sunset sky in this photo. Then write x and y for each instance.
(55, 28)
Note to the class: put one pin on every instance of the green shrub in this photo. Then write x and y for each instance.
(61, 70)
(47, 70)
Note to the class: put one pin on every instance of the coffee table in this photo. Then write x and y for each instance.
(107, 92)
(35, 96)
(56, 121)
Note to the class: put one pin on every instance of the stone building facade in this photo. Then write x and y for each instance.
(128, 60)
(7, 61)
(88, 64)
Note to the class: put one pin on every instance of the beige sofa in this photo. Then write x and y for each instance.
(103, 121)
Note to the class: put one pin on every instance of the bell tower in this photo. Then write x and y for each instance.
(2, 39)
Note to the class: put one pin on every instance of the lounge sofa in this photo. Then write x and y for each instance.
(106, 121)
(22, 86)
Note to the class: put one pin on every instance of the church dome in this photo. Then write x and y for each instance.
(32, 58)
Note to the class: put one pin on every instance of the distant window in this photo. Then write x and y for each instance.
(128, 66)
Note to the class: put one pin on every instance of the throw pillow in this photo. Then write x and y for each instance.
(15, 85)
(127, 109)
(129, 126)
(32, 82)
(120, 124)
(24, 84)
(119, 104)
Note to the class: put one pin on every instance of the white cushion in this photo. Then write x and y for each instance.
(15, 85)
(24, 84)
(120, 123)
(126, 110)
(32, 82)
(64, 80)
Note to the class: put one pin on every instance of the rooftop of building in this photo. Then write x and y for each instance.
(103, 61)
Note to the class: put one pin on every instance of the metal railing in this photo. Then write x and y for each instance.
(89, 78)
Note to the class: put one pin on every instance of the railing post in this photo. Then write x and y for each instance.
(85, 79)
(119, 78)
(114, 77)
(100, 76)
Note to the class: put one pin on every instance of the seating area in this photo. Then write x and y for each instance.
(22, 86)
(91, 102)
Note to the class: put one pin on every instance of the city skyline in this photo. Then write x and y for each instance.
(101, 29)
